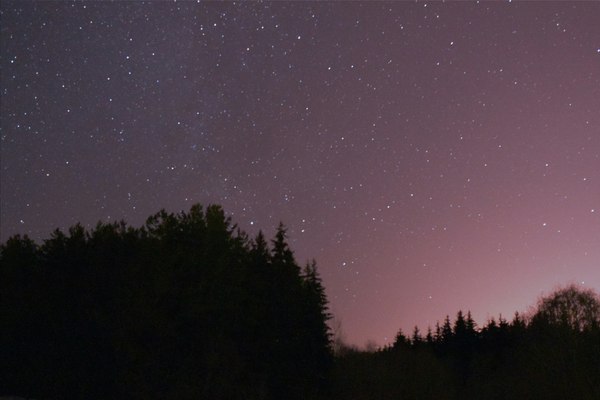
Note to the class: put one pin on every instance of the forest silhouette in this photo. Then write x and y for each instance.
(188, 306)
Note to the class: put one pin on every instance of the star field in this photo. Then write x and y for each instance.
(429, 156)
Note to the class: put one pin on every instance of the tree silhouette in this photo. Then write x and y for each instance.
(571, 307)
(184, 307)
(447, 330)
(416, 338)
(400, 341)
(535, 358)
(188, 306)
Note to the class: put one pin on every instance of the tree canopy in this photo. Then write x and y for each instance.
(186, 306)
(554, 353)
(571, 307)
(189, 306)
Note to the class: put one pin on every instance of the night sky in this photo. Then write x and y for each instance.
(431, 157)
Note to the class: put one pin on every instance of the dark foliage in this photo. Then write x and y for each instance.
(189, 307)
(184, 307)
(554, 354)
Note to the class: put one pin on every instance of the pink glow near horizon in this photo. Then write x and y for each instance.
(431, 157)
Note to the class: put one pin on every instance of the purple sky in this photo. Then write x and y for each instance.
(431, 157)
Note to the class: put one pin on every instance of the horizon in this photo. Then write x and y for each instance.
(431, 157)
(336, 324)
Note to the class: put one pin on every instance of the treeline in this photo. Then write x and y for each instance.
(185, 307)
(552, 353)
(189, 307)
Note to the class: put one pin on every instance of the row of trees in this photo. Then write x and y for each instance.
(551, 353)
(186, 306)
